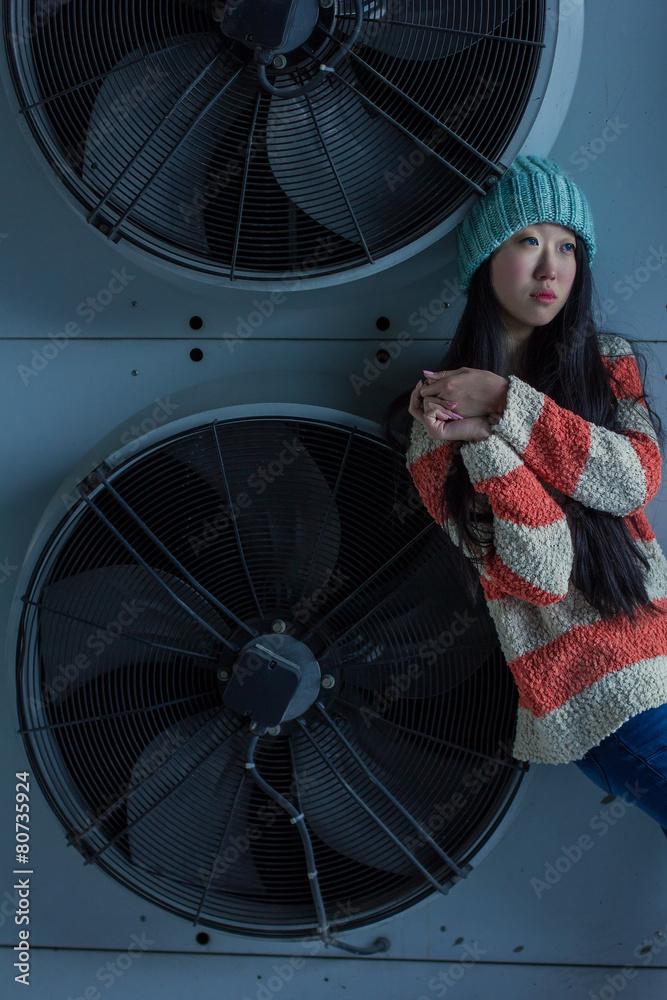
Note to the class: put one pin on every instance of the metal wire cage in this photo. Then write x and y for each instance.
(309, 142)
(248, 692)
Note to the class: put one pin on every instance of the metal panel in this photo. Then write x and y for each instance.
(139, 974)
(605, 909)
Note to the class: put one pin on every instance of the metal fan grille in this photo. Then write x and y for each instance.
(158, 125)
(133, 619)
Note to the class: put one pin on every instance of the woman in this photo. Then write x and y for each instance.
(534, 447)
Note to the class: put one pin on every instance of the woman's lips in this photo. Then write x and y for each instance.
(543, 296)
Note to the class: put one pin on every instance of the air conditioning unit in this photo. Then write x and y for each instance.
(250, 708)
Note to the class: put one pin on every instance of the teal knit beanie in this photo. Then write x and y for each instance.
(531, 190)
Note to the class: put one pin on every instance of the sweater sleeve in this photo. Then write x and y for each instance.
(529, 554)
(612, 470)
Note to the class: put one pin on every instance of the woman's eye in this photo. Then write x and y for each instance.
(572, 246)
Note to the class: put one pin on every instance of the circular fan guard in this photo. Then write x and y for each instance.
(301, 537)
(217, 143)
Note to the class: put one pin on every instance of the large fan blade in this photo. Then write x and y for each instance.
(206, 806)
(411, 678)
(133, 100)
(120, 601)
(418, 43)
(418, 627)
(340, 821)
(288, 502)
(349, 148)
(423, 668)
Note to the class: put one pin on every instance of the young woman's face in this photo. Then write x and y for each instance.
(537, 258)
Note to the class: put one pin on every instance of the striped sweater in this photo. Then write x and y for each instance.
(579, 678)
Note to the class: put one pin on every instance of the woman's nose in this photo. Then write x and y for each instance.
(546, 267)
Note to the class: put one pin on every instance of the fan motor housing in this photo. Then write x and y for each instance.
(270, 26)
(275, 678)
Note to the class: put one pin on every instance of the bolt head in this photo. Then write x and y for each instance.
(328, 681)
(223, 675)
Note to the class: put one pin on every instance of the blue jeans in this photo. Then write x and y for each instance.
(632, 763)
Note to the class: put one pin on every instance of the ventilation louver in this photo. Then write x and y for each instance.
(244, 658)
(260, 142)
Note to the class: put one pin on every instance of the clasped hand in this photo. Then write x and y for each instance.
(470, 393)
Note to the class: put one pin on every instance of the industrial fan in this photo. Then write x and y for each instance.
(249, 692)
(256, 142)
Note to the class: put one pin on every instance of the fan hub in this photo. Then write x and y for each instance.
(271, 26)
(275, 679)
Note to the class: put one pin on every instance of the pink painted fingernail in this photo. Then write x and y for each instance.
(420, 382)
(427, 373)
(457, 416)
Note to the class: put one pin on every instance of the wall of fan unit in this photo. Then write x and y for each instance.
(238, 369)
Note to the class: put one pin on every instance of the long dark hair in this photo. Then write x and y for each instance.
(562, 359)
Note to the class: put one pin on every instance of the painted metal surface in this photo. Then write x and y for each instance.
(548, 916)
